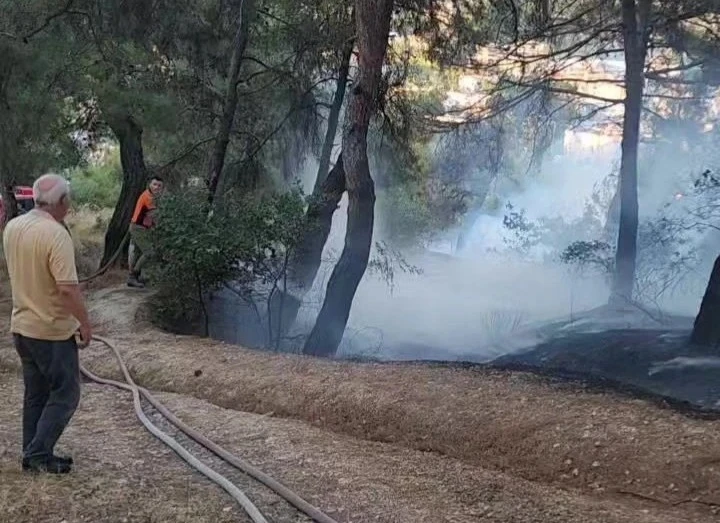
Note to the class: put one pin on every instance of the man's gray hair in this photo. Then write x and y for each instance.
(50, 189)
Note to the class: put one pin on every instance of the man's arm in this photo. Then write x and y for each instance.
(62, 267)
(74, 302)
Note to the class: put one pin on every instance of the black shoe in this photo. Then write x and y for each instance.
(134, 281)
(60, 459)
(54, 465)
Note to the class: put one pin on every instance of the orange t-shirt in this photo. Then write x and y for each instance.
(143, 210)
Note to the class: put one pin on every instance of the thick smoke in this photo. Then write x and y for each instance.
(483, 296)
(465, 303)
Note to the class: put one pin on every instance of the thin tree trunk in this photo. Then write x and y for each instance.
(217, 160)
(10, 206)
(306, 259)
(635, 15)
(334, 116)
(318, 222)
(706, 330)
(373, 27)
(135, 179)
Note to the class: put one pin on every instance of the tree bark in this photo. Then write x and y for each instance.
(217, 159)
(706, 330)
(635, 15)
(10, 206)
(307, 258)
(328, 190)
(373, 26)
(334, 116)
(135, 179)
(306, 262)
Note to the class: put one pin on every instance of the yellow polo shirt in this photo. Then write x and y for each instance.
(39, 254)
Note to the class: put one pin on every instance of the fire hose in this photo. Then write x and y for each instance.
(280, 489)
(102, 270)
(257, 517)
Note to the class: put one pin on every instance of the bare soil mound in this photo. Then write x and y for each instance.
(552, 440)
(509, 421)
(125, 475)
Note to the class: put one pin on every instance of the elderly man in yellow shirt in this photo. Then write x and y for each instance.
(48, 310)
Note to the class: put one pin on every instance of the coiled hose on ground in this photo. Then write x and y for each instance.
(214, 476)
(130, 385)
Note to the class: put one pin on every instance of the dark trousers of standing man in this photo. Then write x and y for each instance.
(51, 371)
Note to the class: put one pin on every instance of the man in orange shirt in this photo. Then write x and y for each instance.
(48, 309)
(143, 220)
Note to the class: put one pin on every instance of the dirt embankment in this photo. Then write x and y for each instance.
(598, 446)
(510, 422)
(124, 475)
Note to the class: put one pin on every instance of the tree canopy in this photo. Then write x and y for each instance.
(252, 99)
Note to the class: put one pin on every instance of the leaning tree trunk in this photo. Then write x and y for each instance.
(129, 134)
(334, 116)
(328, 190)
(706, 330)
(373, 27)
(217, 160)
(635, 50)
(307, 258)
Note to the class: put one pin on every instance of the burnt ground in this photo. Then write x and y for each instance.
(642, 362)
(631, 353)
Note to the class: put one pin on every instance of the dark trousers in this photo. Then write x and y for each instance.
(51, 371)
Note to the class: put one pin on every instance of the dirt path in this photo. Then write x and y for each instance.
(354, 439)
(123, 474)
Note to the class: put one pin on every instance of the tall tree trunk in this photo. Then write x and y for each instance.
(217, 160)
(635, 16)
(706, 330)
(135, 179)
(373, 27)
(334, 116)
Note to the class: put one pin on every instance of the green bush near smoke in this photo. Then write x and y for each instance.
(246, 242)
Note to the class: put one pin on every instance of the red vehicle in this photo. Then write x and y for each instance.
(24, 198)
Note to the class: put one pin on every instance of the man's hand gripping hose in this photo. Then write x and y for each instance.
(214, 476)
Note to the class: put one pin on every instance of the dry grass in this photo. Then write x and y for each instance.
(508, 422)
(502, 444)
(88, 231)
(123, 474)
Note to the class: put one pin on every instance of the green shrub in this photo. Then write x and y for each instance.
(97, 186)
(246, 242)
